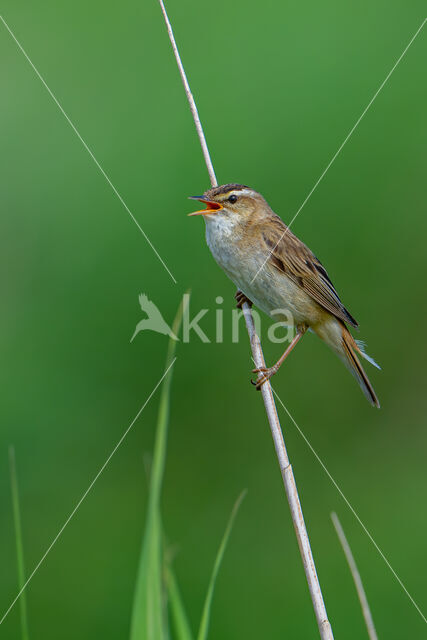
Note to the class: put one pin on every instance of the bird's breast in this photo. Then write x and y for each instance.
(246, 263)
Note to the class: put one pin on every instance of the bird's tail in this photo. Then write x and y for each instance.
(337, 336)
(350, 359)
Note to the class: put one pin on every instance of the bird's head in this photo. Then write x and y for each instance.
(236, 201)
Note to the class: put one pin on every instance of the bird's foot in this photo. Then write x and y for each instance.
(265, 373)
(241, 298)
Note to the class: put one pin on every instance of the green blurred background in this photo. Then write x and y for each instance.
(279, 85)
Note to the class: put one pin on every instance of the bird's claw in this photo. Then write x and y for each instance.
(265, 374)
(241, 298)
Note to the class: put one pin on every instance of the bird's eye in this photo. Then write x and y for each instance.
(232, 199)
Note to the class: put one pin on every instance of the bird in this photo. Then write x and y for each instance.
(154, 321)
(274, 270)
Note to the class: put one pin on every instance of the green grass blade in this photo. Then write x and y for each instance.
(180, 622)
(149, 620)
(19, 544)
(204, 624)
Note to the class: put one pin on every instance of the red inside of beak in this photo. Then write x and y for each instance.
(211, 207)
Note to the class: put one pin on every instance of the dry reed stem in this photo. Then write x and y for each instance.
(356, 578)
(325, 629)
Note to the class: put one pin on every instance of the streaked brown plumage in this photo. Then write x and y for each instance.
(275, 270)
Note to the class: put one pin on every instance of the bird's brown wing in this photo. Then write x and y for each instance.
(290, 256)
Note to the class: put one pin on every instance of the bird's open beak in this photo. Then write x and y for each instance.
(211, 207)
